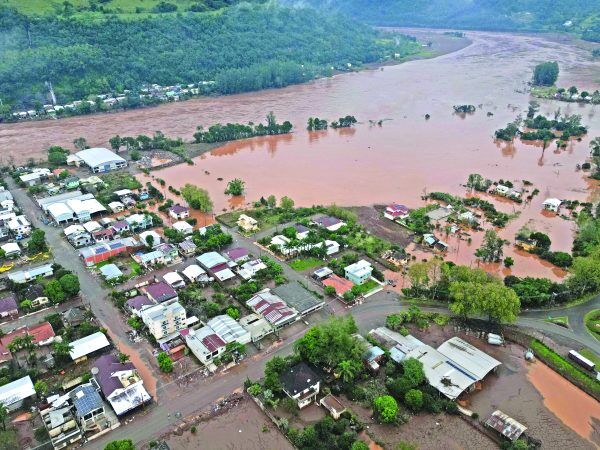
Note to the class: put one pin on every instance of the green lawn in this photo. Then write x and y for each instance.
(591, 356)
(562, 321)
(365, 288)
(136, 269)
(305, 264)
(592, 322)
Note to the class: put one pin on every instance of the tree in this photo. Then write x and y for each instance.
(165, 363)
(62, 349)
(414, 399)
(69, 284)
(55, 292)
(3, 415)
(573, 90)
(115, 142)
(123, 444)
(272, 201)
(346, 370)
(509, 262)
(80, 143)
(491, 248)
(233, 312)
(197, 198)
(386, 408)
(123, 357)
(359, 445)
(542, 240)
(330, 290)
(286, 203)
(37, 242)
(41, 388)
(413, 371)
(235, 187)
(595, 146)
(545, 74)
(498, 302)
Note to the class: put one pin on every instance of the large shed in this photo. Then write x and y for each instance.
(101, 159)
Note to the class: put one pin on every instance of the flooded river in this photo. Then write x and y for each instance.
(399, 160)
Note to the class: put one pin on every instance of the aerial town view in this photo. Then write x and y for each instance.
(299, 224)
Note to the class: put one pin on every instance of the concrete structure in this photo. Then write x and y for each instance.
(88, 406)
(247, 223)
(341, 285)
(164, 321)
(19, 226)
(301, 384)
(359, 272)
(120, 384)
(61, 425)
(237, 255)
(100, 160)
(87, 345)
(257, 326)
(12, 395)
(332, 404)
(187, 247)
(116, 207)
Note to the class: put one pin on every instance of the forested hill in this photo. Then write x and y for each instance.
(244, 47)
(579, 16)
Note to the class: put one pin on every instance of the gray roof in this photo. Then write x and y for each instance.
(98, 156)
(297, 297)
(111, 271)
(16, 391)
(85, 399)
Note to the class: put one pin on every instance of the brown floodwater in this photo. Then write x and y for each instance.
(399, 160)
(571, 405)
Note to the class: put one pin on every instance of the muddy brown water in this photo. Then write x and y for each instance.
(399, 160)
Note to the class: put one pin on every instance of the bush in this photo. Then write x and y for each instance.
(165, 363)
(414, 399)
(386, 408)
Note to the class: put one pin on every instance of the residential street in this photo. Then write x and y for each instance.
(180, 399)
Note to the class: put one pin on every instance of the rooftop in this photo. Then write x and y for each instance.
(228, 329)
(211, 259)
(236, 253)
(298, 378)
(470, 358)
(16, 391)
(138, 302)
(360, 268)
(161, 291)
(98, 156)
(271, 307)
(341, 285)
(111, 271)
(85, 399)
(89, 344)
(8, 303)
(298, 297)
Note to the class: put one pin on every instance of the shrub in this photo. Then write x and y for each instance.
(414, 399)
(386, 408)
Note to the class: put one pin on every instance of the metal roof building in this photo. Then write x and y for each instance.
(229, 330)
(101, 159)
(13, 394)
(89, 344)
(298, 297)
(468, 357)
(505, 425)
(272, 308)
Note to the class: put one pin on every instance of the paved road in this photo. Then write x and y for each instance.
(186, 399)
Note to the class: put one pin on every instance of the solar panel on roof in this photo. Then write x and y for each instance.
(99, 250)
(115, 245)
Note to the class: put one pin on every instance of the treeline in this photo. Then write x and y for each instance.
(580, 16)
(234, 131)
(242, 48)
(544, 129)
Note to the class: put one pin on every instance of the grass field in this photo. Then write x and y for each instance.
(43, 7)
(365, 288)
(591, 356)
(305, 264)
(592, 322)
(562, 321)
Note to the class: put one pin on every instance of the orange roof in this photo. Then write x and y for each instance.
(341, 285)
(40, 333)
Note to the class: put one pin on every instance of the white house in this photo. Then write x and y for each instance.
(195, 274)
(359, 272)
(301, 384)
(155, 238)
(183, 227)
(174, 280)
(552, 204)
(13, 394)
(19, 226)
(116, 207)
(11, 249)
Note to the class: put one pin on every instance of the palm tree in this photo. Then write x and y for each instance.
(346, 371)
(123, 357)
(62, 349)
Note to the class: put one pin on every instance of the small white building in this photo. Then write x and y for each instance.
(155, 238)
(19, 226)
(116, 207)
(183, 227)
(174, 280)
(195, 274)
(13, 394)
(11, 249)
(359, 272)
(88, 344)
(100, 160)
(552, 204)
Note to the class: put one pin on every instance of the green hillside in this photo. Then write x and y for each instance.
(244, 47)
(504, 15)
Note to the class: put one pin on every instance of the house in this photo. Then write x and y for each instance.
(467, 217)
(163, 254)
(183, 227)
(195, 274)
(11, 249)
(35, 177)
(187, 247)
(88, 406)
(42, 335)
(373, 354)
(92, 226)
(136, 304)
(272, 308)
(116, 207)
(120, 384)
(217, 265)
(87, 345)
(331, 247)
(282, 244)
(61, 425)
(322, 273)
(300, 383)
(164, 321)
(179, 212)
(19, 226)
(301, 231)
(25, 276)
(79, 240)
(552, 204)
(106, 221)
(74, 316)
(329, 223)
(161, 292)
(13, 395)
(298, 298)
(257, 326)
(71, 182)
(8, 306)
(249, 269)
(105, 235)
(502, 190)
(174, 280)
(120, 226)
(247, 223)
(102, 252)
(138, 222)
(396, 211)
(431, 241)
(341, 285)
(35, 294)
(237, 255)
(74, 229)
(359, 272)
(332, 404)
(100, 160)
(150, 238)
(111, 272)
(505, 425)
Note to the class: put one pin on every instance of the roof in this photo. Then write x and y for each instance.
(187, 246)
(73, 229)
(332, 403)
(158, 312)
(505, 425)
(88, 344)
(11, 247)
(211, 259)
(85, 399)
(8, 303)
(107, 365)
(322, 272)
(553, 202)
(172, 278)
(236, 253)
(123, 192)
(161, 291)
(298, 378)
(271, 307)
(98, 156)
(228, 329)
(178, 209)
(25, 275)
(33, 292)
(360, 268)
(328, 221)
(151, 256)
(470, 358)
(300, 228)
(297, 297)
(16, 391)
(111, 271)
(41, 332)
(59, 209)
(138, 302)
(193, 271)
(341, 285)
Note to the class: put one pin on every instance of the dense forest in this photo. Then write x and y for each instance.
(580, 16)
(241, 48)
